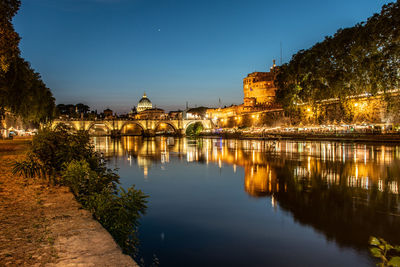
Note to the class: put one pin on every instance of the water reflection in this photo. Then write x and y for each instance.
(345, 191)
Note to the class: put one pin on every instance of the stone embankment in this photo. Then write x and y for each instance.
(42, 225)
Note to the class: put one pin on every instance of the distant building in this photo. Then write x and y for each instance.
(132, 113)
(218, 113)
(108, 113)
(259, 95)
(259, 88)
(175, 115)
(144, 104)
(196, 113)
(151, 114)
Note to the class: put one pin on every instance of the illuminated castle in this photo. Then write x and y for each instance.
(259, 88)
(259, 95)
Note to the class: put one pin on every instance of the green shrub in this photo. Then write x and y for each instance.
(67, 158)
(56, 147)
(387, 253)
(84, 182)
(119, 214)
(30, 167)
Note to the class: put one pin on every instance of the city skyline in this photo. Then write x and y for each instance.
(196, 52)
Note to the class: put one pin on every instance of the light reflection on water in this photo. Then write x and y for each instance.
(344, 191)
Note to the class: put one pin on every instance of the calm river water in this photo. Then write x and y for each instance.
(216, 202)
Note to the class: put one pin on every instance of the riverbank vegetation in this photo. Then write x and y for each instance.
(363, 60)
(64, 158)
(387, 253)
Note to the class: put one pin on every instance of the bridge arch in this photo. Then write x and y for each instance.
(192, 124)
(99, 128)
(165, 127)
(132, 128)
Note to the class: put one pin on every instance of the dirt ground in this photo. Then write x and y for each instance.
(43, 225)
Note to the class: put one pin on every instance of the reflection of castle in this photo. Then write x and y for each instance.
(260, 180)
(336, 188)
(354, 166)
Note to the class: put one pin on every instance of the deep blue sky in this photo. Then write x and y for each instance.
(106, 53)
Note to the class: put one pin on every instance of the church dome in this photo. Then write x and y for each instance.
(144, 103)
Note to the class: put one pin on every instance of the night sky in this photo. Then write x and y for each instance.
(106, 53)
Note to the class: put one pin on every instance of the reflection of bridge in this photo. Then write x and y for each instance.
(132, 127)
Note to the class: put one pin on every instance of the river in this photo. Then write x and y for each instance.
(218, 202)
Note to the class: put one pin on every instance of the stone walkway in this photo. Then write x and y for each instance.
(79, 239)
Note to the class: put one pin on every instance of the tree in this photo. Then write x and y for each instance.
(364, 59)
(9, 39)
(22, 90)
(82, 108)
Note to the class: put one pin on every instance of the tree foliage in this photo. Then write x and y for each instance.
(9, 39)
(387, 253)
(22, 90)
(364, 59)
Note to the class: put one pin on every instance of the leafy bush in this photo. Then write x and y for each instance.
(119, 214)
(66, 158)
(30, 167)
(84, 182)
(56, 147)
(384, 251)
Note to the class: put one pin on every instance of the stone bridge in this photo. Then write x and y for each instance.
(132, 127)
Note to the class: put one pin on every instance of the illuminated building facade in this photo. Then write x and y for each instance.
(108, 113)
(218, 113)
(259, 96)
(259, 87)
(144, 104)
(151, 114)
(147, 112)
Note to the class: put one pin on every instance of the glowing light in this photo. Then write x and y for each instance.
(273, 201)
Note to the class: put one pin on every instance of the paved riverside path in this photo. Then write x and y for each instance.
(80, 240)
